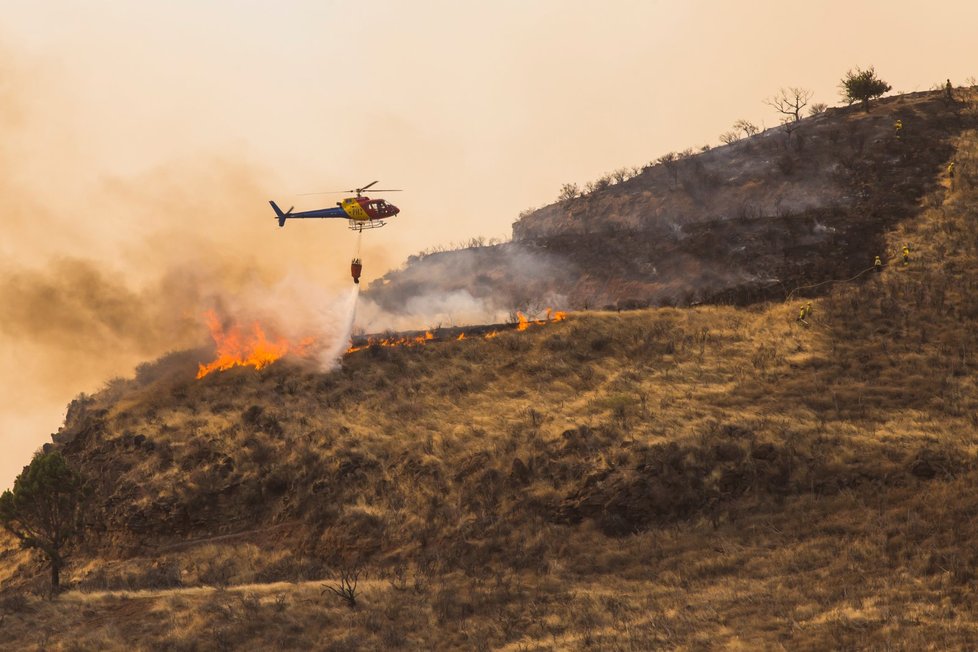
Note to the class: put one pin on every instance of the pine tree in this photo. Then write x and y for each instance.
(43, 509)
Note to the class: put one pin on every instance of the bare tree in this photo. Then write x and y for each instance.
(568, 191)
(603, 183)
(671, 162)
(789, 127)
(728, 137)
(347, 590)
(790, 101)
(746, 126)
(622, 174)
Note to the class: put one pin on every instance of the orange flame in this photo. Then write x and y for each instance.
(237, 349)
(523, 323)
(394, 341)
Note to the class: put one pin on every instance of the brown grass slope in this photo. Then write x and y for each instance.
(702, 478)
(736, 224)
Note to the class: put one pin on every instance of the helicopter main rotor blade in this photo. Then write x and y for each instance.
(354, 191)
(346, 192)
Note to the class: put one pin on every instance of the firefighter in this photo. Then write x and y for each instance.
(802, 313)
(808, 310)
(950, 170)
(947, 90)
(878, 265)
(906, 254)
(898, 127)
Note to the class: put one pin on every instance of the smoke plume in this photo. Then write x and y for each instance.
(470, 286)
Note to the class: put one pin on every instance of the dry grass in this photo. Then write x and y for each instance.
(708, 478)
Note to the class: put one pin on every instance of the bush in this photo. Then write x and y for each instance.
(862, 86)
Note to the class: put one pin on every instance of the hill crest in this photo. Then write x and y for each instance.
(611, 480)
(738, 223)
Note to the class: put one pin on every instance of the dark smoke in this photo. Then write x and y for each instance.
(74, 305)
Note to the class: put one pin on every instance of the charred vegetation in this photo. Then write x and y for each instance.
(727, 225)
(665, 477)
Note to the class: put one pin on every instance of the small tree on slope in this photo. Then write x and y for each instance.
(862, 86)
(43, 510)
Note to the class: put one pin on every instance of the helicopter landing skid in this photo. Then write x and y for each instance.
(361, 225)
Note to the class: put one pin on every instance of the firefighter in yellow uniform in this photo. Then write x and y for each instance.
(906, 254)
(878, 264)
(950, 174)
(898, 127)
(804, 313)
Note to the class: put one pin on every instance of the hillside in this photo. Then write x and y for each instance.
(742, 222)
(697, 478)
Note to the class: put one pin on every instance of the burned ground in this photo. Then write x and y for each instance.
(745, 222)
(670, 477)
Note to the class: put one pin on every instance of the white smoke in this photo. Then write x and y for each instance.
(455, 308)
(479, 285)
(298, 309)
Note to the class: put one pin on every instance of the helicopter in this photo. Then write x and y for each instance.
(361, 212)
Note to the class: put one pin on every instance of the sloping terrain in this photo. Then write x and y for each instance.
(690, 478)
(737, 223)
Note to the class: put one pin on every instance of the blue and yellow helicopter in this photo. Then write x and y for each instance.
(361, 212)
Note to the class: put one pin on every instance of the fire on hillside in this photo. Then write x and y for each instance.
(458, 334)
(236, 347)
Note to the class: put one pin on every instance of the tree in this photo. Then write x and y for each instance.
(818, 107)
(746, 126)
(862, 86)
(671, 163)
(347, 590)
(44, 508)
(622, 174)
(790, 101)
(728, 137)
(602, 183)
(568, 191)
(789, 127)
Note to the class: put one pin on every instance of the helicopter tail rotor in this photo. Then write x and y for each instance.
(279, 214)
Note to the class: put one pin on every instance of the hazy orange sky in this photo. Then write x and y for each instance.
(141, 141)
